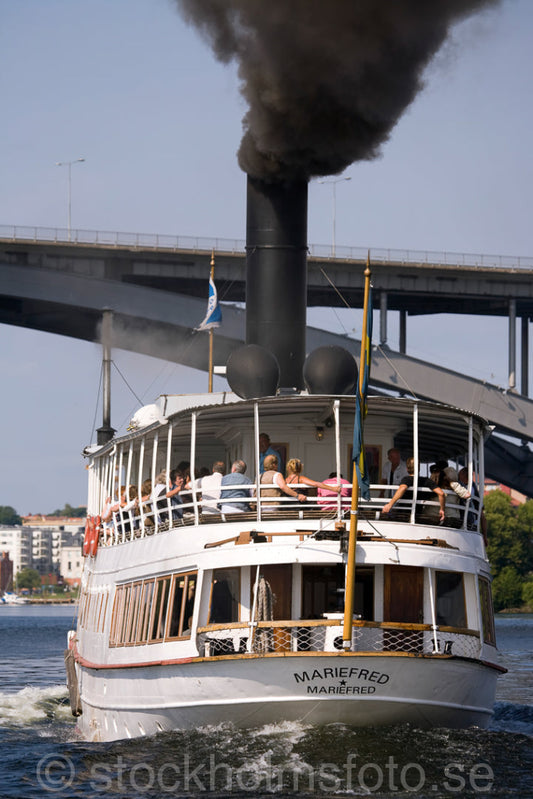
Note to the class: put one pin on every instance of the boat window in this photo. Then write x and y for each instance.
(159, 609)
(144, 614)
(101, 626)
(487, 611)
(117, 616)
(184, 588)
(81, 608)
(133, 614)
(87, 609)
(323, 591)
(451, 609)
(224, 604)
(124, 616)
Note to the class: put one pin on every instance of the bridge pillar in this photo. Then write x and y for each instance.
(403, 331)
(524, 349)
(512, 343)
(383, 318)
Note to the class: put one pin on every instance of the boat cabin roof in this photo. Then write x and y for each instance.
(442, 430)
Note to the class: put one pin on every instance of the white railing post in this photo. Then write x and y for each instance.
(417, 464)
(154, 465)
(433, 611)
(167, 467)
(253, 623)
(257, 461)
(139, 492)
(193, 458)
(336, 416)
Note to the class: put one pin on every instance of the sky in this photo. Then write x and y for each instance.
(133, 90)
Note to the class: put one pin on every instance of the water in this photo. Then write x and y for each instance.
(42, 756)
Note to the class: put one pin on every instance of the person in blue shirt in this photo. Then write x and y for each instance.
(233, 493)
(265, 449)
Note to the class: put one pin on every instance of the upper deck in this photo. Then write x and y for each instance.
(317, 429)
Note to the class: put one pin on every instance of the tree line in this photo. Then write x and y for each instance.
(510, 551)
(9, 515)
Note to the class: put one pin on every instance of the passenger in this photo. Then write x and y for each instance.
(108, 524)
(129, 506)
(177, 483)
(184, 468)
(295, 477)
(423, 513)
(160, 488)
(450, 482)
(394, 470)
(474, 505)
(210, 488)
(436, 471)
(264, 450)
(146, 504)
(233, 493)
(271, 476)
(325, 494)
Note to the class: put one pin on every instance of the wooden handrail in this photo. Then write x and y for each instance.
(383, 625)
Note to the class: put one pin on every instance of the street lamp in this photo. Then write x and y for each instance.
(334, 185)
(69, 164)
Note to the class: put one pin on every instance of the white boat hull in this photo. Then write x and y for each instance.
(354, 689)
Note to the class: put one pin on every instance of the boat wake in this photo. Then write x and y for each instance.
(32, 705)
(285, 759)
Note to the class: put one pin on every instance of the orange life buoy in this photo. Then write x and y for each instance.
(93, 544)
(88, 535)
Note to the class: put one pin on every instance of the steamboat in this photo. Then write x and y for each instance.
(296, 604)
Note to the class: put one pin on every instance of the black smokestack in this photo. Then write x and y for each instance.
(325, 80)
(276, 273)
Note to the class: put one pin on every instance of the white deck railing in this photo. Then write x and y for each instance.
(161, 515)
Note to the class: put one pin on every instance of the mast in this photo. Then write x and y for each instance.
(212, 280)
(364, 366)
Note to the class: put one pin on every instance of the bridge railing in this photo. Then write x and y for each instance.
(161, 241)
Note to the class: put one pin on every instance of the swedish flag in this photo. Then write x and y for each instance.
(358, 449)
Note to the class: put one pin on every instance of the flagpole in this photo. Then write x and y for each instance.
(212, 278)
(352, 540)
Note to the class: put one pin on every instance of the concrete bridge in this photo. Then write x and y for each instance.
(61, 281)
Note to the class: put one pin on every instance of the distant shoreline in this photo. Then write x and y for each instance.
(34, 601)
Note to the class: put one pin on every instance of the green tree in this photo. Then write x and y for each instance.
(9, 515)
(527, 591)
(507, 589)
(510, 547)
(29, 578)
(509, 534)
(70, 511)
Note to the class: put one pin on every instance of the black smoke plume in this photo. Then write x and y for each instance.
(325, 80)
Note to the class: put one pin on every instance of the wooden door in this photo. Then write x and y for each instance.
(279, 576)
(404, 603)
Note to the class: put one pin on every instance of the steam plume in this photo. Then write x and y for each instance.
(325, 80)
